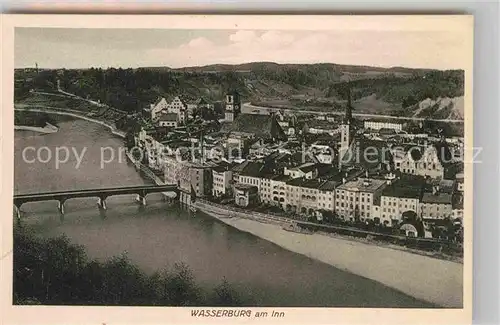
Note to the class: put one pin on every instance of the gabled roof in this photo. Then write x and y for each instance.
(363, 185)
(329, 186)
(158, 100)
(182, 99)
(263, 126)
(239, 168)
(307, 167)
(252, 169)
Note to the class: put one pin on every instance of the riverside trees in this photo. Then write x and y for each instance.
(55, 272)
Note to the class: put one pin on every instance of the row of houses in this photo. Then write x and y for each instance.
(352, 196)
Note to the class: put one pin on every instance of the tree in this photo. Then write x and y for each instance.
(179, 288)
(225, 295)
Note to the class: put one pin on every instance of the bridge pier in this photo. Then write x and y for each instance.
(60, 206)
(18, 212)
(141, 199)
(101, 202)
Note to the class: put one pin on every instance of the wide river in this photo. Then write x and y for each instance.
(161, 234)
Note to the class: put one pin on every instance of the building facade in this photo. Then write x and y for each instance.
(354, 199)
(168, 120)
(157, 108)
(436, 206)
(222, 178)
(377, 125)
(246, 195)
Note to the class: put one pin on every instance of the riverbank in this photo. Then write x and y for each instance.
(72, 113)
(442, 284)
(48, 128)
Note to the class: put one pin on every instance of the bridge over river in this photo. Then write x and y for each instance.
(101, 193)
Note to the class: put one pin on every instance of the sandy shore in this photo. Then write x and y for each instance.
(437, 281)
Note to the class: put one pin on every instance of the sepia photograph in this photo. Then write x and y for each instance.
(229, 167)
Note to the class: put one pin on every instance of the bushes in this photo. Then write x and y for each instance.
(55, 272)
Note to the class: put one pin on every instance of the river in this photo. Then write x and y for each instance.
(161, 234)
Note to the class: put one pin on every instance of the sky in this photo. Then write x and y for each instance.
(132, 48)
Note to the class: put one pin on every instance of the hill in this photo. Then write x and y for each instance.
(320, 86)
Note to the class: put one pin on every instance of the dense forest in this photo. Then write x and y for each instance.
(56, 272)
(134, 89)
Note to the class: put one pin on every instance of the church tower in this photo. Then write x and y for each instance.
(346, 129)
(233, 106)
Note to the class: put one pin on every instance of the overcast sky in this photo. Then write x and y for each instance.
(83, 48)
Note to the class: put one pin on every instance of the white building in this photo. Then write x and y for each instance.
(159, 106)
(278, 188)
(431, 160)
(397, 199)
(355, 199)
(377, 125)
(179, 107)
(222, 177)
(436, 205)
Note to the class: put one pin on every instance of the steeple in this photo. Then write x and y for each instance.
(348, 110)
(346, 128)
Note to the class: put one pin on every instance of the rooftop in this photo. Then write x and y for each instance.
(363, 185)
(264, 126)
(329, 185)
(402, 189)
(438, 198)
(367, 153)
(252, 169)
(445, 185)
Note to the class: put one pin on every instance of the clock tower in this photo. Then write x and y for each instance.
(233, 106)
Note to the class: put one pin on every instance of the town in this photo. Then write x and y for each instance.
(394, 176)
